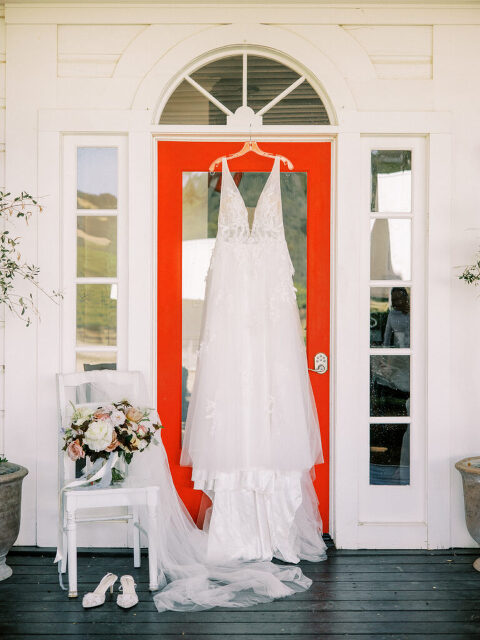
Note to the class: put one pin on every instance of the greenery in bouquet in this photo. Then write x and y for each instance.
(117, 427)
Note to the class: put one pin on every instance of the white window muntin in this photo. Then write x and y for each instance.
(70, 280)
(375, 501)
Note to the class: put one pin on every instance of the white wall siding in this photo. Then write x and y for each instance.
(2, 188)
(387, 71)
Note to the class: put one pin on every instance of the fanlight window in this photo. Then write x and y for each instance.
(244, 88)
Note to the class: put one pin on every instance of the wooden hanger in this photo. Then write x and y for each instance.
(251, 145)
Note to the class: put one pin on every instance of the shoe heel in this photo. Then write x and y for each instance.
(111, 588)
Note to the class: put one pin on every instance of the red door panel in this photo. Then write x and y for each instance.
(174, 157)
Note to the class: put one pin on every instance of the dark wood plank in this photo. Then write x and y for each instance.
(196, 629)
(400, 595)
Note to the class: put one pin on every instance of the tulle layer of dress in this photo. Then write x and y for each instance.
(252, 406)
(192, 578)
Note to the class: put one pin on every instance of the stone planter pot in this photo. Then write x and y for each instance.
(11, 477)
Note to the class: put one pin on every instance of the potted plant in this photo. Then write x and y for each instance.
(12, 270)
(469, 468)
(11, 477)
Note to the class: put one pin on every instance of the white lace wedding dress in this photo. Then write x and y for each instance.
(252, 433)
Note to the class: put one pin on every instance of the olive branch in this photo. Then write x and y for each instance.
(12, 267)
(471, 273)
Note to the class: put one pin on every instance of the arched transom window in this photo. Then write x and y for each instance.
(243, 89)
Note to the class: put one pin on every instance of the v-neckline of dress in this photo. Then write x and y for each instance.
(275, 163)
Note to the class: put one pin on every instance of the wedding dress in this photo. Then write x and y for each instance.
(252, 434)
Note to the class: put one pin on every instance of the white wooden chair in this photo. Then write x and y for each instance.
(97, 387)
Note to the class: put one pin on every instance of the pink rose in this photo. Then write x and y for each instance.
(101, 415)
(142, 430)
(75, 450)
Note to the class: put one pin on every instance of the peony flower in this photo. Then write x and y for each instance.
(98, 436)
(80, 415)
(114, 443)
(134, 414)
(75, 450)
(117, 418)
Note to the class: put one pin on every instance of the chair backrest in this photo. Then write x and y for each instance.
(93, 388)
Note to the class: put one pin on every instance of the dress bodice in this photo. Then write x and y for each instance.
(233, 214)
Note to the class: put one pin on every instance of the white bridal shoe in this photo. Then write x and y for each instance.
(128, 598)
(97, 597)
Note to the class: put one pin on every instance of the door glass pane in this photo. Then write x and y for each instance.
(390, 317)
(96, 246)
(391, 181)
(96, 314)
(389, 385)
(390, 249)
(97, 177)
(390, 454)
(87, 360)
(201, 197)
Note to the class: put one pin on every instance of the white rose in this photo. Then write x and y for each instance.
(80, 415)
(99, 435)
(117, 418)
(142, 444)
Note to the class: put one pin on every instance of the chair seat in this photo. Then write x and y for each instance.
(84, 497)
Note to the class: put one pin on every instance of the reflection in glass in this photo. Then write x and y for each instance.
(187, 105)
(390, 317)
(267, 79)
(97, 177)
(390, 249)
(391, 181)
(223, 79)
(389, 385)
(96, 314)
(390, 454)
(96, 246)
(201, 198)
(87, 360)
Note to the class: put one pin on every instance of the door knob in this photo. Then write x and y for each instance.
(320, 362)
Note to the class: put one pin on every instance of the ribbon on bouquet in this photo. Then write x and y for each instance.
(102, 471)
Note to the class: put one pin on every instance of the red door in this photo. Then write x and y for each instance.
(175, 158)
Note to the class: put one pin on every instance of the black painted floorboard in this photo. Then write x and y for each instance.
(378, 594)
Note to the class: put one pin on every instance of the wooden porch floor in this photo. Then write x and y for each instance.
(356, 594)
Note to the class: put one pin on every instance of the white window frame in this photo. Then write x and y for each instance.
(406, 522)
(69, 258)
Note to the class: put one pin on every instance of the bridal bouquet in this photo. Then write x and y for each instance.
(118, 428)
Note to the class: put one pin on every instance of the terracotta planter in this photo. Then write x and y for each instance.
(11, 477)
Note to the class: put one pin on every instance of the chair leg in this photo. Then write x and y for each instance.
(72, 554)
(152, 540)
(63, 561)
(136, 538)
